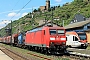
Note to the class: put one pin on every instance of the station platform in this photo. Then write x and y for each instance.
(3, 56)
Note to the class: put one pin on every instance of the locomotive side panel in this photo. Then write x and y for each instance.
(47, 36)
(37, 37)
(29, 38)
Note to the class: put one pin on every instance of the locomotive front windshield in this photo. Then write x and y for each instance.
(60, 32)
(52, 32)
(82, 36)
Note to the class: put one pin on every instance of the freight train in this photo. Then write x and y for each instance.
(45, 39)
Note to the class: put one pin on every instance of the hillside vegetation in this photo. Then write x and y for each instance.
(65, 12)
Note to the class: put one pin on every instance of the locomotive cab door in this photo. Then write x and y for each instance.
(43, 35)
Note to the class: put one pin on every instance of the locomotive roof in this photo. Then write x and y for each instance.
(40, 28)
(56, 27)
(36, 29)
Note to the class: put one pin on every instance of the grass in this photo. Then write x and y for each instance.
(26, 52)
(88, 48)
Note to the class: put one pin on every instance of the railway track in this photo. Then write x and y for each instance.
(79, 56)
(79, 53)
(13, 55)
(17, 56)
(71, 55)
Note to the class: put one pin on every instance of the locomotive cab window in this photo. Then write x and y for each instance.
(76, 39)
(82, 36)
(60, 32)
(52, 32)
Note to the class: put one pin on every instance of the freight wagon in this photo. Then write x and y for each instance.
(44, 39)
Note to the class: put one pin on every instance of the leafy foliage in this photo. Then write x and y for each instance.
(65, 12)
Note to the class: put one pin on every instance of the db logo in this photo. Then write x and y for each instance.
(57, 38)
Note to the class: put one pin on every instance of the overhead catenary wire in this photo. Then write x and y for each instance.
(14, 16)
(21, 9)
(26, 8)
(15, 4)
(12, 9)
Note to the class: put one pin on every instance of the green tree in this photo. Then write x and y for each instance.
(35, 10)
(49, 9)
(78, 1)
(38, 10)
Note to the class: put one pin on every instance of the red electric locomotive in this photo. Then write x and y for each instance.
(47, 39)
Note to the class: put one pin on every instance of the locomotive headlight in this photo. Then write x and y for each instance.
(63, 43)
(63, 39)
(52, 38)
